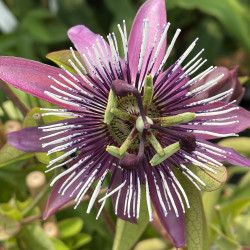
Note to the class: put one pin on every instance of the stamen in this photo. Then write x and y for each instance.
(180, 188)
(143, 50)
(130, 194)
(155, 143)
(186, 66)
(192, 174)
(200, 164)
(158, 48)
(169, 49)
(208, 113)
(69, 169)
(168, 151)
(148, 92)
(112, 103)
(185, 54)
(159, 195)
(138, 197)
(212, 133)
(150, 214)
(113, 191)
(175, 120)
(212, 98)
(126, 144)
(169, 193)
(208, 84)
(123, 115)
(96, 191)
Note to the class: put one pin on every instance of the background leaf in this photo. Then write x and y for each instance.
(128, 233)
(231, 13)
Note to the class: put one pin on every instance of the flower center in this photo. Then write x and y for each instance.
(133, 121)
(126, 117)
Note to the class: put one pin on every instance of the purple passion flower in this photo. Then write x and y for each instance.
(130, 117)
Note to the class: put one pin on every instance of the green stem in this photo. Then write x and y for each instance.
(35, 201)
(13, 97)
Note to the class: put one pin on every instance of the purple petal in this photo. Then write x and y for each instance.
(31, 77)
(175, 226)
(155, 12)
(229, 80)
(83, 38)
(27, 139)
(243, 116)
(118, 180)
(232, 156)
(57, 200)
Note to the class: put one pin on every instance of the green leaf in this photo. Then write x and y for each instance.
(243, 228)
(29, 121)
(151, 244)
(245, 181)
(8, 210)
(77, 241)
(234, 208)
(8, 226)
(35, 238)
(69, 227)
(224, 242)
(210, 199)
(212, 180)
(128, 233)
(196, 226)
(61, 58)
(9, 154)
(240, 144)
(231, 13)
(59, 245)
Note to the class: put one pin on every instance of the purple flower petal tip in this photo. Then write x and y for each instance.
(26, 140)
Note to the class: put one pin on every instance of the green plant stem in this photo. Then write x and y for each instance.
(107, 219)
(35, 201)
(14, 98)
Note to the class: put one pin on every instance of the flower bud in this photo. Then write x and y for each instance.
(229, 80)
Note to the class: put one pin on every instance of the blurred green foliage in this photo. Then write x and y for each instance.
(223, 29)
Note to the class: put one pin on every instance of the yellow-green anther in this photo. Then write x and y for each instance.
(148, 91)
(168, 151)
(123, 115)
(125, 145)
(112, 103)
(155, 143)
(175, 119)
(114, 151)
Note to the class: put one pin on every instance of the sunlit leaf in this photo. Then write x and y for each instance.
(240, 144)
(8, 226)
(234, 208)
(8, 210)
(128, 233)
(196, 226)
(9, 154)
(35, 238)
(210, 199)
(70, 227)
(61, 59)
(223, 242)
(232, 14)
(29, 121)
(212, 180)
(150, 244)
(77, 241)
(58, 244)
(243, 228)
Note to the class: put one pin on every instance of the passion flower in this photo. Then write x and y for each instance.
(129, 117)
